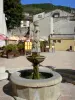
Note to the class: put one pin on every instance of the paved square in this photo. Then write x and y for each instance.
(59, 60)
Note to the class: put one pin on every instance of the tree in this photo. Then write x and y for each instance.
(13, 12)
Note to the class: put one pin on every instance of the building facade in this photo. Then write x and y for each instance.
(62, 42)
(3, 28)
(56, 22)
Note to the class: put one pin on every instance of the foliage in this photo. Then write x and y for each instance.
(20, 46)
(11, 47)
(13, 12)
(45, 7)
(32, 10)
(41, 43)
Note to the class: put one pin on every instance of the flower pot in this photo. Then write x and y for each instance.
(21, 52)
(10, 54)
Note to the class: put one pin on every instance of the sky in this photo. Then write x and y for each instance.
(69, 3)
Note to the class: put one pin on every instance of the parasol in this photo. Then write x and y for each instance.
(3, 37)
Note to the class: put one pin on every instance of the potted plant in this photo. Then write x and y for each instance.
(10, 50)
(20, 47)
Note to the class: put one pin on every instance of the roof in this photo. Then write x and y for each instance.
(62, 36)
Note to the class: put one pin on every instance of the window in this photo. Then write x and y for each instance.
(54, 41)
(56, 15)
(59, 41)
(39, 16)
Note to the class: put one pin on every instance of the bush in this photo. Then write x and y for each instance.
(41, 43)
(20, 46)
(11, 47)
(11, 50)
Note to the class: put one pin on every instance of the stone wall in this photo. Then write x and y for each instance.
(61, 25)
(18, 31)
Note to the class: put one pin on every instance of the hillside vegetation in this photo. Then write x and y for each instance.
(46, 7)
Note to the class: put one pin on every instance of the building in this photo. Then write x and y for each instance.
(3, 28)
(24, 26)
(59, 25)
(63, 42)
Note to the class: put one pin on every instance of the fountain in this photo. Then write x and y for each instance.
(36, 83)
(36, 58)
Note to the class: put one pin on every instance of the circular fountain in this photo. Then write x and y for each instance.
(36, 83)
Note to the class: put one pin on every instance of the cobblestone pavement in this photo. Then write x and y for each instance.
(59, 60)
(67, 91)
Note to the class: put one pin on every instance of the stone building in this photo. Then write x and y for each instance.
(57, 24)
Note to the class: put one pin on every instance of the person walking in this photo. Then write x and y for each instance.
(53, 48)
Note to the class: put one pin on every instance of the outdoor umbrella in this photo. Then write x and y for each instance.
(3, 37)
(2, 40)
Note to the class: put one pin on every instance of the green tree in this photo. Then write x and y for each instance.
(14, 13)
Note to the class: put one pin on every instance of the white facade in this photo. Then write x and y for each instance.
(3, 28)
(51, 24)
(56, 25)
(64, 27)
(38, 17)
(1, 6)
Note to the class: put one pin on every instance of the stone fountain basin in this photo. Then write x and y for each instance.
(37, 59)
(42, 89)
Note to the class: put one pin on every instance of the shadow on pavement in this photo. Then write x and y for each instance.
(7, 89)
(68, 75)
(50, 67)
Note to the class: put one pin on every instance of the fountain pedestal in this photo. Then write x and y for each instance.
(42, 89)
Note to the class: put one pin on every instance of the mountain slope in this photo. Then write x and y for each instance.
(45, 7)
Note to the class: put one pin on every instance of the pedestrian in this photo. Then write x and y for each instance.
(53, 48)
